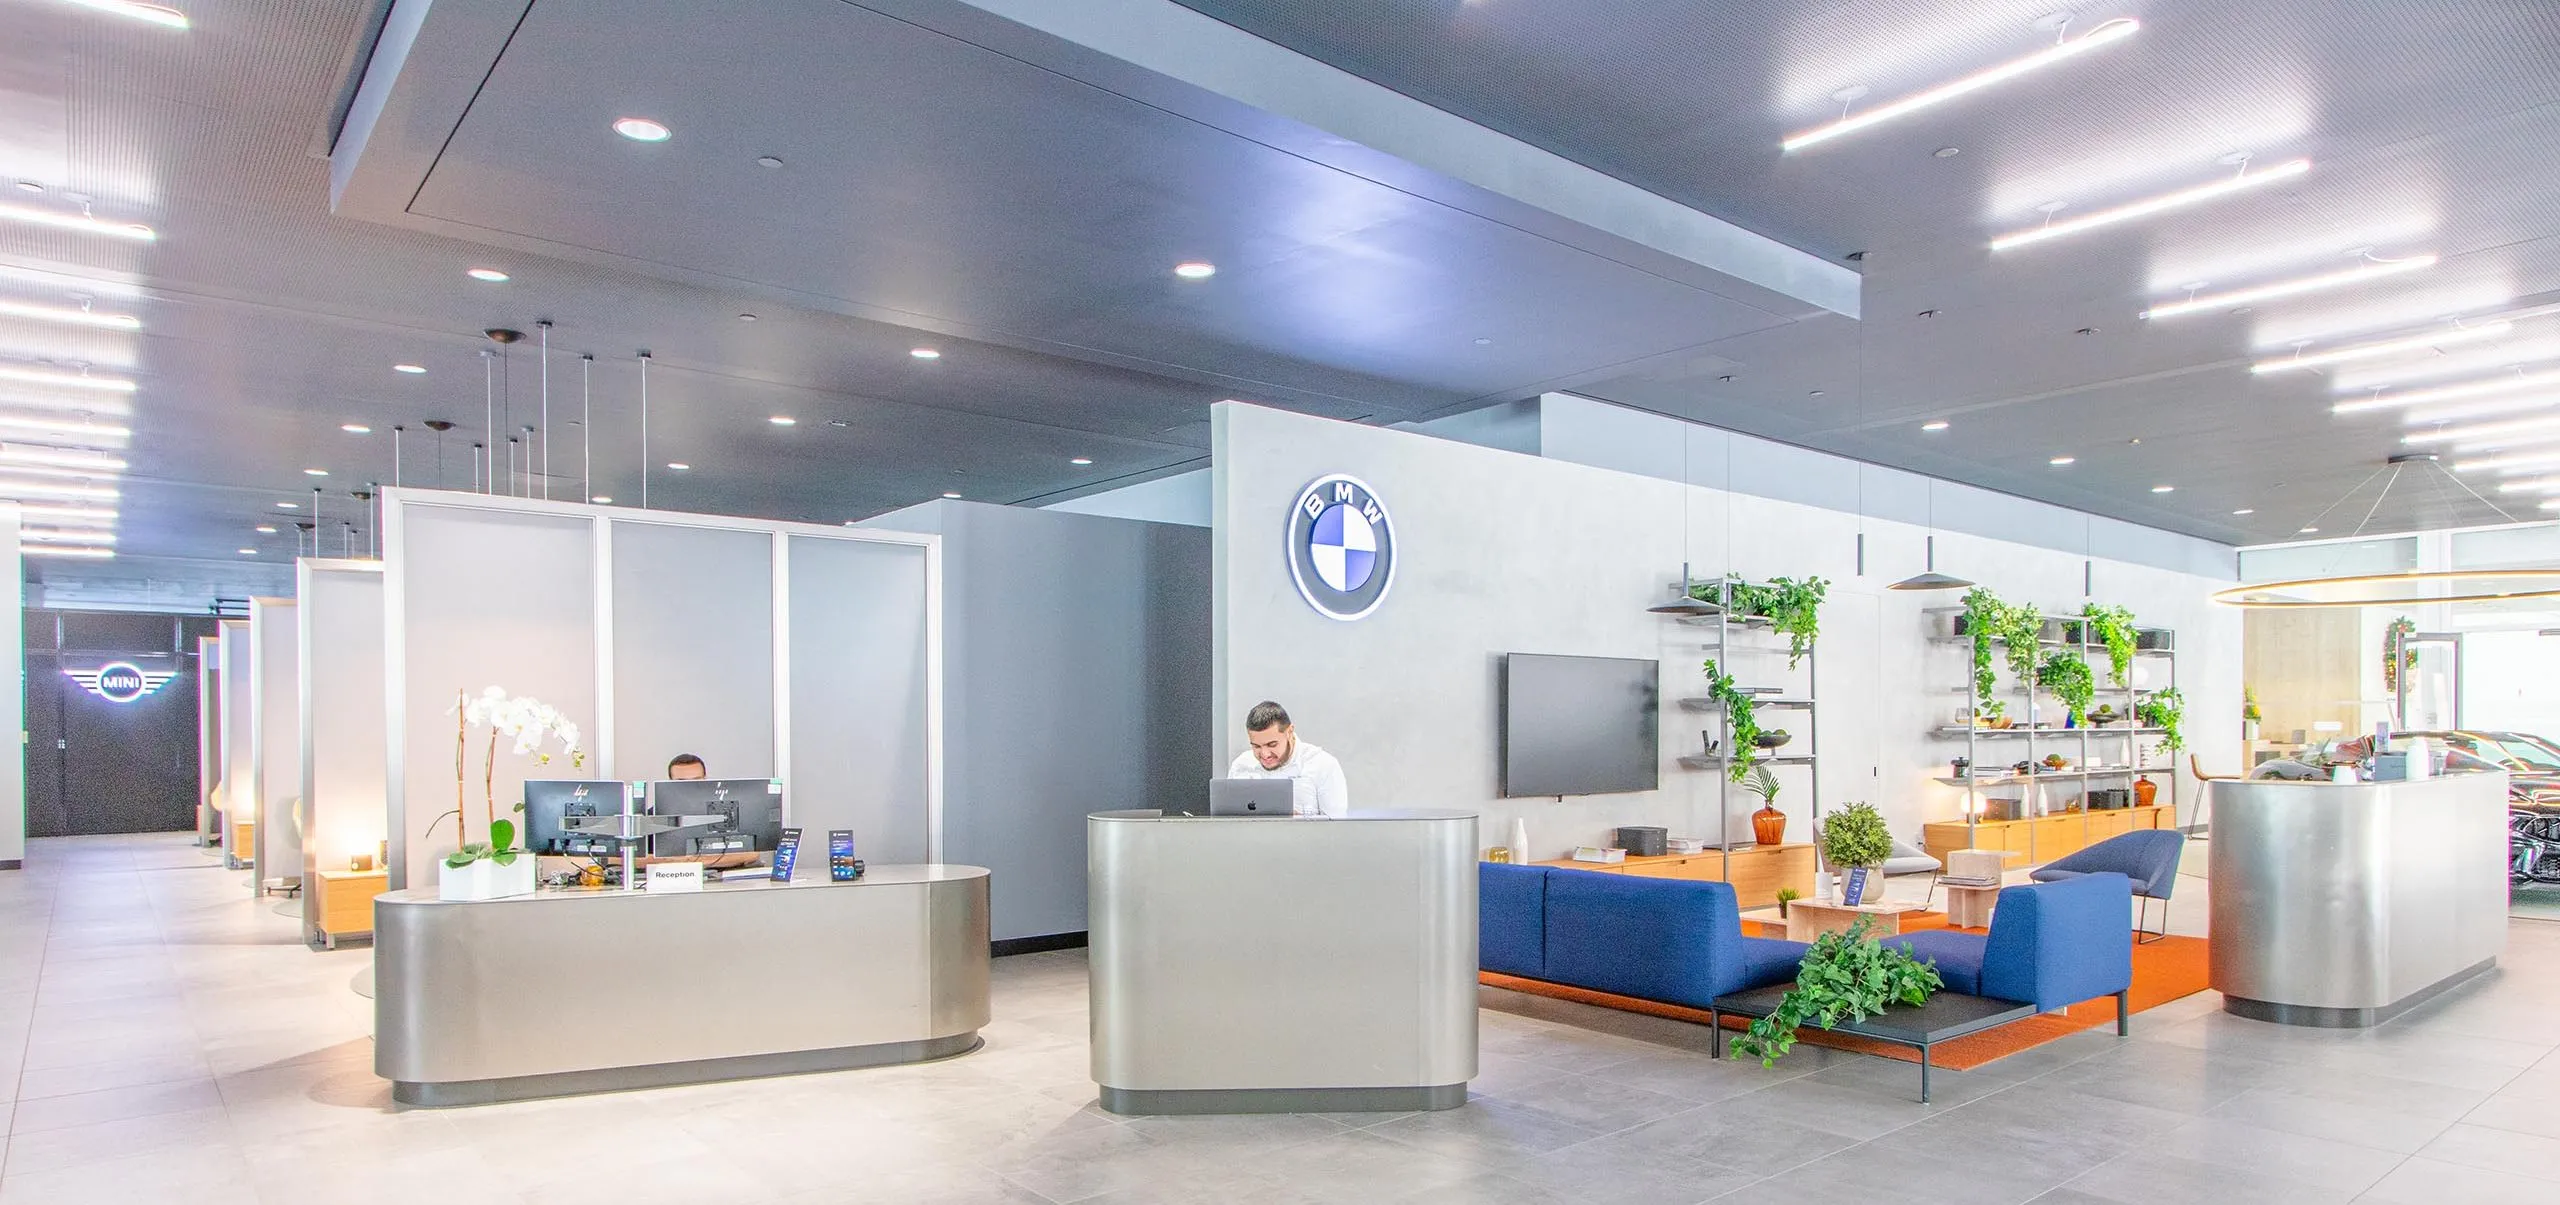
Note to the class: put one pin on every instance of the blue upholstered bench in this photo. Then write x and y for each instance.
(1673, 941)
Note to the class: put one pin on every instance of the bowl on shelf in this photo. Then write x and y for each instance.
(1771, 740)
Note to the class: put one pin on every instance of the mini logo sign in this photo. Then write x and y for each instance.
(1342, 547)
(120, 681)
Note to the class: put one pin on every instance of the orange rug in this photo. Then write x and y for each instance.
(2168, 969)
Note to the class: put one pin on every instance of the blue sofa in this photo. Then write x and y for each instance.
(1674, 941)
(2051, 945)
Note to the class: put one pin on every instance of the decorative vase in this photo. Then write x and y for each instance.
(2144, 791)
(1520, 840)
(2248, 730)
(1769, 825)
(485, 879)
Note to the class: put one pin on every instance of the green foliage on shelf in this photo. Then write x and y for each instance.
(1763, 784)
(2249, 705)
(2018, 629)
(1856, 836)
(2066, 673)
(1790, 605)
(1742, 721)
(2114, 626)
(2162, 709)
(499, 848)
(1846, 974)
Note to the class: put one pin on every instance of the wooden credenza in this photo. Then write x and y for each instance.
(2044, 838)
(343, 900)
(1758, 870)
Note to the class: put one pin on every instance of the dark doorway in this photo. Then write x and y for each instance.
(111, 722)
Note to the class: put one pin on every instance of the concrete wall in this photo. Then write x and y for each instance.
(1500, 552)
(1076, 671)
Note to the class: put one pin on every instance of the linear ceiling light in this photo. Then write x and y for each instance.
(64, 380)
(86, 223)
(14, 455)
(19, 487)
(2287, 288)
(63, 429)
(2138, 209)
(2530, 485)
(2103, 35)
(156, 14)
(43, 535)
(66, 515)
(2529, 458)
(2450, 393)
(68, 316)
(2366, 351)
(2508, 428)
(92, 554)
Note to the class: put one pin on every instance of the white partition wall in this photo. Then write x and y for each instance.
(237, 795)
(341, 690)
(768, 649)
(275, 739)
(209, 750)
(13, 707)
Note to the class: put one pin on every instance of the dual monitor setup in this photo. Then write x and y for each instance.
(748, 815)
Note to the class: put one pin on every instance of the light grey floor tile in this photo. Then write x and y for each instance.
(2434, 1182)
(2498, 1150)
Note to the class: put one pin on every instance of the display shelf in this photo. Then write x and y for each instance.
(1797, 696)
(2015, 780)
(1959, 731)
(1756, 704)
(1702, 761)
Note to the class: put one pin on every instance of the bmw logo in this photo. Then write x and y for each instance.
(1342, 547)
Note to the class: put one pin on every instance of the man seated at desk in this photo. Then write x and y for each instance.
(1274, 751)
(685, 767)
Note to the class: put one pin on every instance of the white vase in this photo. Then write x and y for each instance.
(1520, 840)
(485, 879)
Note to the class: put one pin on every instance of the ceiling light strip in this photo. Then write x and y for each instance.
(2288, 288)
(81, 222)
(56, 490)
(64, 380)
(47, 535)
(12, 455)
(2546, 425)
(2515, 383)
(2530, 485)
(61, 550)
(2430, 341)
(68, 316)
(61, 515)
(154, 14)
(2104, 35)
(61, 429)
(2528, 459)
(2138, 209)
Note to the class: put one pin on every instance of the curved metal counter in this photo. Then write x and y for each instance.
(595, 990)
(1250, 965)
(2342, 905)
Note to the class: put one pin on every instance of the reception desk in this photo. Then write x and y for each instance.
(594, 990)
(2344, 905)
(1255, 965)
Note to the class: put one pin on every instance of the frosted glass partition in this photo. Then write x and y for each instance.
(475, 597)
(237, 795)
(693, 654)
(275, 740)
(866, 694)
(343, 759)
(662, 633)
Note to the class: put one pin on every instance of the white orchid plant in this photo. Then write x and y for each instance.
(529, 723)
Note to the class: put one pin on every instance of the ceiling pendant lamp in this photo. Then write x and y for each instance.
(1688, 605)
(1929, 578)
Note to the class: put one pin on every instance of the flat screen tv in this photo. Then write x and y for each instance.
(1580, 725)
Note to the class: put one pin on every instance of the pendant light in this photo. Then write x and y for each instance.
(644, 430)
(1929, 578)
(545, 420)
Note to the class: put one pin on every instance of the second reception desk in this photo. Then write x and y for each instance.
(1247, 965)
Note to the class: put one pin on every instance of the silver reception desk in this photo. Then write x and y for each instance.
(1255, 965)
(592, 990)
(2343, 905)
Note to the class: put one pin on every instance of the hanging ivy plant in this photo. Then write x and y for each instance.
(1982, 610)
(2066, 673)
(2395, 639)
(1791, 606)
(1742, 721)
(2162, 709)
(2114, 626)
(1846, 975)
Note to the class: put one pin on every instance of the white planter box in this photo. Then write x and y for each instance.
(486, 880)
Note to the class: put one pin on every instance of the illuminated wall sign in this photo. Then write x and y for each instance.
(120, 681)
(1342, 547)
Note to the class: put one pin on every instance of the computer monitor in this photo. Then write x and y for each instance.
(548, 801)
(751, 811)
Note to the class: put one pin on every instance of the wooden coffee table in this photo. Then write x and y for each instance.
(1807, 919)
(1970, 907)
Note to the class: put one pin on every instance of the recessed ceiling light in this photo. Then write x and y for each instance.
(29, 186)
(641, 129)
(412, 369)
(355, 428)
(678, 465)
(1195, 270)
(768, 161)
(69, 316)
(1484, 342)
(2164, 489)
(924, 353)
(288, 506)
(1927, 314)
(248, 552)
(1938, 425)
(950, 493)
(2060, 461)
(65, 380)
(1948, 152)
(837, 422)
(315, 472)
(2448, 337)
(2287, 288)
(155, 14)
(266, 529)
(82, 222)
(2144, 208)
(489, 275)
(2246, 510)
(1814, 393)
(2103, 35)
(746, 317)
(783, 420)
(1081, 460)
(602, 499)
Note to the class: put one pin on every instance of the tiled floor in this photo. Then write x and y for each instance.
(164, 1039)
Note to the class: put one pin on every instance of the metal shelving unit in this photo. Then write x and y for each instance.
(2082, 744)
(1720, 644)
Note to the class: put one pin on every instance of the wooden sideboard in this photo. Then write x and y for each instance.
(1758, 870)
(343, 900)
(2043, 838)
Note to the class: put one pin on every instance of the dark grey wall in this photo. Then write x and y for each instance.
(1075, 679)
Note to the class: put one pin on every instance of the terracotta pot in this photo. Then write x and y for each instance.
(1769, 826)
(2144, 791)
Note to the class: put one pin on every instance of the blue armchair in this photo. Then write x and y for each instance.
(1676, 941)
(2149, 858)
(2051, 945)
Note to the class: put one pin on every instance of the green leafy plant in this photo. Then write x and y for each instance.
(529, 722)
(2066, 673)
(2114, 627)
(1763, 784)
(1786, 896)
(1846, 974)
(1856, 836)
(1790, 605)
(2020, 631)
(2395, 639)
(1982, 610)
(1742, 721)
(2162, 709)
(2249, 705)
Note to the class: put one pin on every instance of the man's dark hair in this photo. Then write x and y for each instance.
(1266, 715)
(685, 759)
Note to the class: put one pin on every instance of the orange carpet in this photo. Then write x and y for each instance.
(2164, 970)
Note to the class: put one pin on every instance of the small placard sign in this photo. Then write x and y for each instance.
(786, 853)
(1854, 890)
(675, 876)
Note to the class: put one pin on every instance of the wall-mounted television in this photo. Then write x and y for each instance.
(1580, 725)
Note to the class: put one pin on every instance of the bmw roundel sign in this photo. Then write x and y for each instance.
(1342, 547)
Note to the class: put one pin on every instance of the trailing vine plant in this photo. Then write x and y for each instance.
(2162, 709)
(1742, 719)
(2066, 673)
(1981, 610)
(1845, 974)
(2114, 626)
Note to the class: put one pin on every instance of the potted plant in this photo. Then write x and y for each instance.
(1768, 825)
(2113, 626)
(493, 868)
(1742, 717)
(2249, 716)
(2397, 657)
(2162, 709)
(1854, 839)
(2065, 672)
(1845, 974)
(1786, 896)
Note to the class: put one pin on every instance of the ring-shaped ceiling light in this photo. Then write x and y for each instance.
(2398, 589)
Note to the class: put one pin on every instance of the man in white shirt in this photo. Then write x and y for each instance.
(1274, 751)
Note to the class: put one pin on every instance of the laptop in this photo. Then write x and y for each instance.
(1242, 797)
